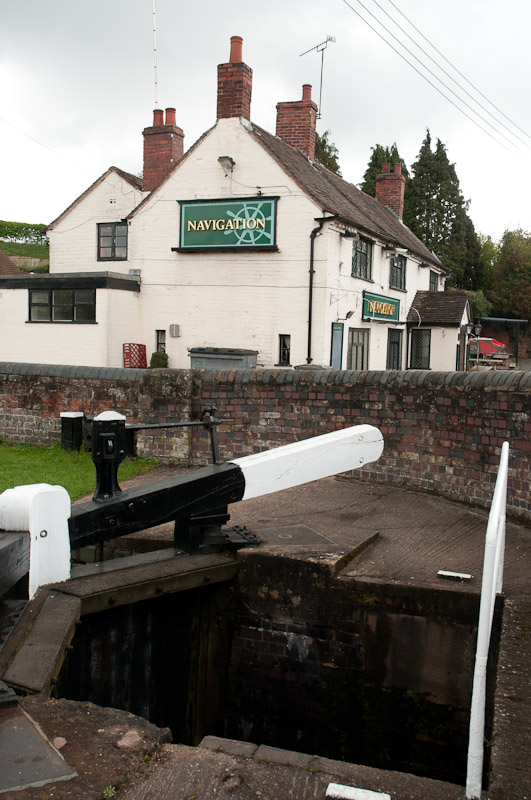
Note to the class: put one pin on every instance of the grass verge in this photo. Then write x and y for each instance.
(25, 463)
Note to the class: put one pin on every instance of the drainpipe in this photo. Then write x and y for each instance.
(313, 235)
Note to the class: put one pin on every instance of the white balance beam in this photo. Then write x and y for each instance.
(311, 459)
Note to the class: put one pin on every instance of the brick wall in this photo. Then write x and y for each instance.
(443, 431)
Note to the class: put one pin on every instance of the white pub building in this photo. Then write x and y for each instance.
(241, 251)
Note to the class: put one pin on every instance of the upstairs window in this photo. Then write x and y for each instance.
(62, 305)
(434, 281)
(397, 275)
(112, 241)
(362, 259)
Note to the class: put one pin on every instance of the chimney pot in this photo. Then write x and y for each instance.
(296, 122)
(163, 147)
(236, 50)
(235, 83)
(390, 188)
(307, 92)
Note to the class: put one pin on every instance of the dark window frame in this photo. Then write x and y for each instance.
(284, 350)
(361, 349)
(397, 273)
(420, 353)
(160, 339)
(113, 238)
(46, 307)
(394, 348)
(434, 281)
(362, 251)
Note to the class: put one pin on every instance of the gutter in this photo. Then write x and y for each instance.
(313, 235)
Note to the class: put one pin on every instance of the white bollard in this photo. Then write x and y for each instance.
(43, 511)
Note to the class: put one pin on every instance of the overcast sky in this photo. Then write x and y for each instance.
(77, 88)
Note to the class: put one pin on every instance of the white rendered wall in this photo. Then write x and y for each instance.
(74, 239)
(225, 299)
(91, 344)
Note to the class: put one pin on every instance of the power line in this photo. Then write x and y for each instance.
(421, 74)
(462, 88)
(460, 73)
(431, 73)
(46, 147)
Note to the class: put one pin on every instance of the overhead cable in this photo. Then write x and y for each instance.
(402, 56)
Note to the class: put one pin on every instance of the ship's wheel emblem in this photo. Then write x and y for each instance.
(250, 230)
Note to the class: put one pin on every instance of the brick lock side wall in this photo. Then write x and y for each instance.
(235, 82)
(443, 431)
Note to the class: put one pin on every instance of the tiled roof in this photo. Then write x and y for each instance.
(127, 176)
(438, 308)
(337, 196)
(7, 267)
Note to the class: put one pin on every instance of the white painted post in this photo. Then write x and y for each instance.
(491, 584)
(311, 459)
(43, 511)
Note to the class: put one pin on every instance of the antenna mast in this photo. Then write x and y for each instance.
(155, 76)
(320, 49)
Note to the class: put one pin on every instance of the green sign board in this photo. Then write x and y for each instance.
(246, 223)
(376, 306)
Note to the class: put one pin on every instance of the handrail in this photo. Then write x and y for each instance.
(491, 585)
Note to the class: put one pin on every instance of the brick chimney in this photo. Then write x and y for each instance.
(163, 147)
(390, 188)
(296, 122)
(235, 83)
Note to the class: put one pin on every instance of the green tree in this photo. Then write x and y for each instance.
(436, 212)
(326, 153)
(510, 291)
(480, 306)
(380, 155)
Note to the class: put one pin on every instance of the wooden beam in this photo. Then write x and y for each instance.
(14, 559)
(41, 654)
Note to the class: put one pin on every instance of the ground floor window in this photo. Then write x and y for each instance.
(420, 349)
(160, 340)
(358, 349)
(284, 349)
(394, 349)
(336, 350)
(62, 305)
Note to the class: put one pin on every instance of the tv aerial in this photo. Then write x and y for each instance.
(320, 48)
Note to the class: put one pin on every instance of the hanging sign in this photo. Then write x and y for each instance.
(376, 306)
(243, 224)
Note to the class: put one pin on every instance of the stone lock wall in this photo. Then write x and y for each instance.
(443, 430)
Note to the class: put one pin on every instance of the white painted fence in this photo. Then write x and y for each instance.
(490, 586)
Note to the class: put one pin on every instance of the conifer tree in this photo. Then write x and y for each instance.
(436, 212)
(326, 153)
(380, 155)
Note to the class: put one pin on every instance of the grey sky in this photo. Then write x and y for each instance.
(78, 77)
